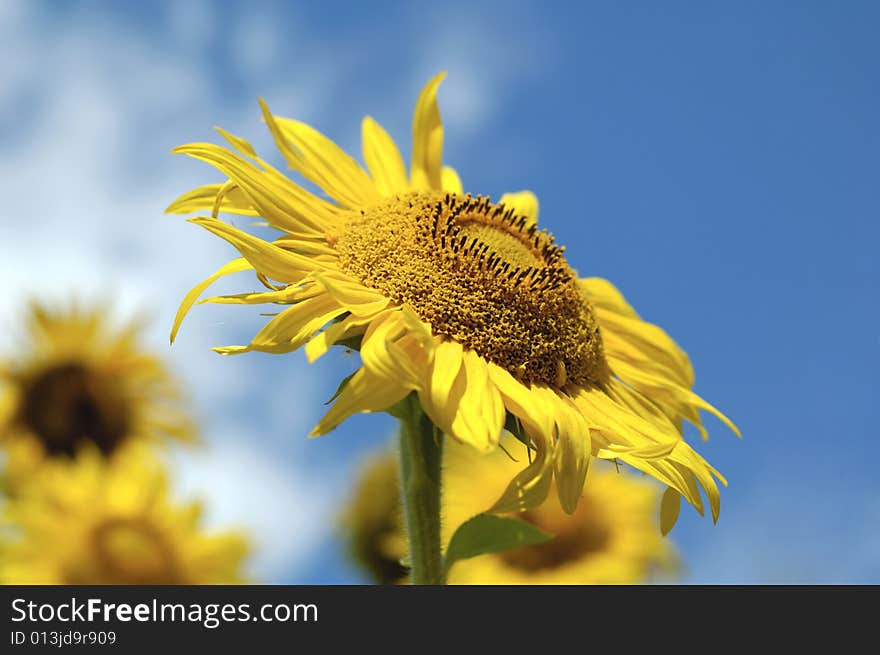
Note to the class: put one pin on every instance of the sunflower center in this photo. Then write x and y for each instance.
(70, 403)
(577, 537)
(480, 275)
(133, 551)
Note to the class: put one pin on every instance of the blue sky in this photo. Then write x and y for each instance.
(717, 162)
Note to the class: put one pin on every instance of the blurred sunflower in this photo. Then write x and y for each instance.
(612, 537)
(373, 521)
(93, 520)
(78, 381)
(461, 300)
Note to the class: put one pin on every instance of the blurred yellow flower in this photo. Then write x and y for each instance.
(93, 520)
(612, 538)
(76, 381)
(373, 521)
(462, 301)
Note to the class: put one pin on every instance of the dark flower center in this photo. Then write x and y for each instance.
(69, 404)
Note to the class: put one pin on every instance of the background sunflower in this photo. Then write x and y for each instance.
(94, 520)
(77, 380)
(612, 538)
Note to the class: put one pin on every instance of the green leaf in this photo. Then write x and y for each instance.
(340, 388)
(487, 533)
(353, 343)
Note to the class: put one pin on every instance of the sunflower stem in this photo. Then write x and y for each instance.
(421, 449)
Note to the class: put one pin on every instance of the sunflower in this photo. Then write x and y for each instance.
(612, 537)
(459, 300)
(80, 381)
(373, 521)
(94, 520)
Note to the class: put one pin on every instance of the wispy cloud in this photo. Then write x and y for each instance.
(91, 104)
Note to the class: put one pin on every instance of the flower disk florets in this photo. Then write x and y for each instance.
(480, 275)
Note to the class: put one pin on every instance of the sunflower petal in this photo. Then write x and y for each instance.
(279, 200)
(235, 266)
(383, 357)
(383, 159)
(290, 329)
(450, 181)
(523, 203)
(266, 258)
(530, 408)
(321, 161)
(530, 487)
(354, 296)
(203, 198)
(667, 392)
(242, 145)
(427, 157)
(365, 392)
(670, 506)
(573, 452)
(322, 342)
(448, 360)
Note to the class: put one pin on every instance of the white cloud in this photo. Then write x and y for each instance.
(250, 489)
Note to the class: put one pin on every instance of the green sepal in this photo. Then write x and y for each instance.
(512, 424)
(342, 384)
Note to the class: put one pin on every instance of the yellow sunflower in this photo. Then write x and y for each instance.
(94, 520)
(373, 521)
(612, 537)
(459, 300)
(77, 380)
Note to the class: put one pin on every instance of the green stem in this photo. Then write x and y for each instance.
(421, 448)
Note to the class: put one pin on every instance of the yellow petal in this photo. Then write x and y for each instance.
(268, 259)
(531, 486)
(573, 450)
(287, 295)
(235, 266)
(447, 364)
(450, 180)
(355, 297)
(427, 157)
(291, 328)
(532, 409)
(420, 330)
(242, 145)
(479, 417)
(645, 344)
(203, 199)
(670, 506)
(320, 160)
(364, 392)
(348, 327)
(384, 358)
(277, 199)
(605, 295)
(523, 203)
(665, 391)
(383, 159)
